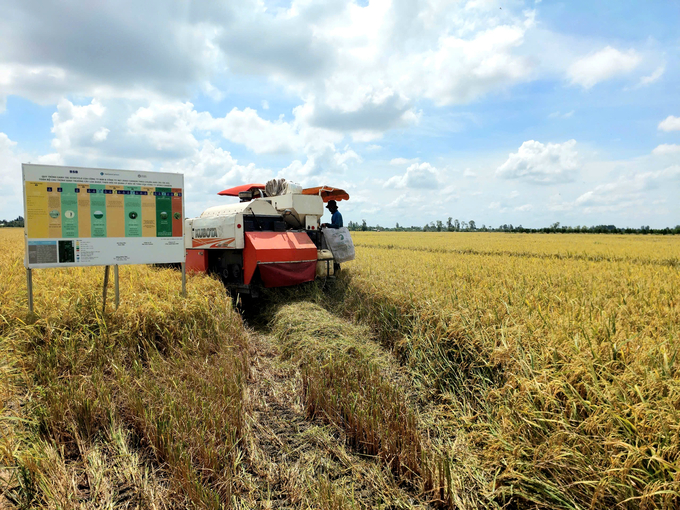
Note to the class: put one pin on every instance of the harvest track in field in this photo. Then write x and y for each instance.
(295, 460)
(310, 363)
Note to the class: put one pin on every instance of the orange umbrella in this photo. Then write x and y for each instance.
(327, 193)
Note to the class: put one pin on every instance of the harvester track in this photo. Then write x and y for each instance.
(297, 461)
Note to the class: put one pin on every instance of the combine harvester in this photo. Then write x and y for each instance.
(272, 238)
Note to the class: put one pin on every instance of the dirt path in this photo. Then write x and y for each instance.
(293, 462)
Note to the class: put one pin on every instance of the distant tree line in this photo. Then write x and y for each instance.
(452, 225)
(18, 222)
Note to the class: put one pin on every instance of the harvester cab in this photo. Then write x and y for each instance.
(270, 238)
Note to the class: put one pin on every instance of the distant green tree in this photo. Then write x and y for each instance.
(17, 222)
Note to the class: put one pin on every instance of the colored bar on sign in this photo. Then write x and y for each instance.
(177, 216)
(36, 210)
(133, 212)
(84, 221)
(148, 212)
(54, 208)
(163, 212)
(115, 211)
(69, 210)
(97, 210)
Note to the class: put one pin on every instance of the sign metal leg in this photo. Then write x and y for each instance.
(106, 285)
(115, 285)
(29, 288)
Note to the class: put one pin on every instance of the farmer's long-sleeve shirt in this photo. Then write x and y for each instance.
(336, 220)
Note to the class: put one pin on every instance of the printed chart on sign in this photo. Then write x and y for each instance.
(81, 216)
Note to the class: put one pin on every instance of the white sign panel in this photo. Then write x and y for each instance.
(94, 217)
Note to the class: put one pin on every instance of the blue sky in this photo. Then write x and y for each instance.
(489, 110)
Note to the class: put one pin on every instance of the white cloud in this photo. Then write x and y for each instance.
(542, 163)
(404, 161)
(143, 137)
(354, 72)
(100, 135)
(418, 175)
(648, 80)
(357, 69)
(76, 125)
(212, 92)
(10, 169)
(246, 127)
(405, 201)
(666, 149)
(322, 163)
(670, 123)
(112, 49)
(118, 132)
(626, 192)
(11, 158)
(498, 206)
(460, 70)
(524, 208)
(557, 204)
(558, 115)
(166, 126)
(602, 65)
(210, 169)
(360, 69)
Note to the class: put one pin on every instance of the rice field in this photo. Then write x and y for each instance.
(650, 249)
(440, 370)
(140, 407)
(554, 356)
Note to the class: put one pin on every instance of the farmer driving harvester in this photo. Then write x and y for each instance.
(336, 217)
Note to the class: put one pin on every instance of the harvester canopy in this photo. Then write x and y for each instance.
(233, 192)
(327, 193)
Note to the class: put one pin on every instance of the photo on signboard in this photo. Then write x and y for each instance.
(67, 252)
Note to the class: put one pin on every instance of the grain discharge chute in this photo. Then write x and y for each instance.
(271, 238)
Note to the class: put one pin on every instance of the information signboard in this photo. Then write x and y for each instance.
(96, 217)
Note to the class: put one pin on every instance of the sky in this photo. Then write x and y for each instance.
(497, 111)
